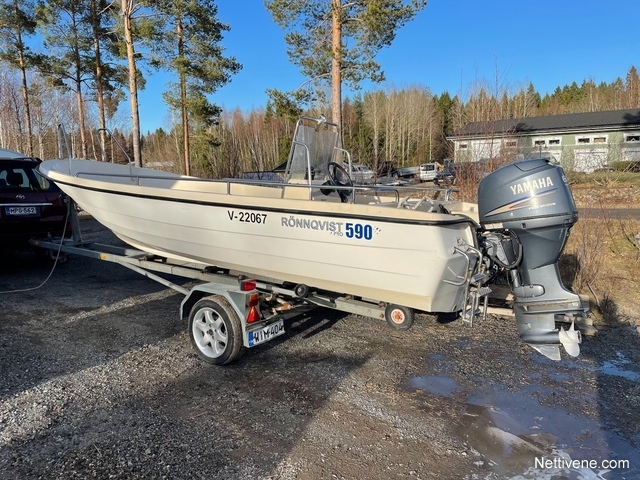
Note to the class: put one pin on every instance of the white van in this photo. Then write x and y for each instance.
(428, 171)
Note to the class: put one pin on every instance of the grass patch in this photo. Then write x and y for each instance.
(601, 259)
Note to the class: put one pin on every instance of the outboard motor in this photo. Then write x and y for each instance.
(526, 211)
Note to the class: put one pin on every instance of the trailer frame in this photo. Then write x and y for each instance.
(233, 298)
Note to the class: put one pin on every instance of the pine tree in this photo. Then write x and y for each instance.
(17, 22)
(69, 63)
(339, 39)
(192, 36)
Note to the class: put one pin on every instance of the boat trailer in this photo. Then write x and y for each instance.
(229, 311)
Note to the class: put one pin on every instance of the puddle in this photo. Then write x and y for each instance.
(523, 439)
(436, 357)
(520, 438)
(439, 385)
(559, 377)
(616, 368)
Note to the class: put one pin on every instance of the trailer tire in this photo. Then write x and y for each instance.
(399, 317)
(216, 331)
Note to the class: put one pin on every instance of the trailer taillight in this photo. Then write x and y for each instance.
(254, 315)
(247, 285)
(254, 300)
(252, 304)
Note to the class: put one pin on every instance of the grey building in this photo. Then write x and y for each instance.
(578, 141)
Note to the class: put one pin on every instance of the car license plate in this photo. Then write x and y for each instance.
(22, 210)
(264, 334)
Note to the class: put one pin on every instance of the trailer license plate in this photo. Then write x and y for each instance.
(21, 210)
(261, 335)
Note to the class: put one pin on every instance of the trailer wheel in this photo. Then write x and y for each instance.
(216, 331)
(399, 317)
(301, 291)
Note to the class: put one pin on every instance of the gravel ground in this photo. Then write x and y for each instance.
(98, 380)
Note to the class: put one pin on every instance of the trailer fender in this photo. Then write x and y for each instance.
(236, 298)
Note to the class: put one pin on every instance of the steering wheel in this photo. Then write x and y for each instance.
(339, 177)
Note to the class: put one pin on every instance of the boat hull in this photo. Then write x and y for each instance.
(370, 251)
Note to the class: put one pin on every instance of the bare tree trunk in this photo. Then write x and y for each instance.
(127, 12)
(81, 124)
(18, 134)
(372, 110)
(336, 64)
(183, 101)
(95, 20)
(25, 90)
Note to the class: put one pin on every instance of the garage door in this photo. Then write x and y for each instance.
(589, 160)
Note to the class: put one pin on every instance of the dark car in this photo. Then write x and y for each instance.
(31, 207)
(445, 177)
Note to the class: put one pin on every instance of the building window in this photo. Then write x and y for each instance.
(539, 143)
(583, 140)
(632, 138)
(600, 140)
(463, 146)
(554, 141)
(512, 143)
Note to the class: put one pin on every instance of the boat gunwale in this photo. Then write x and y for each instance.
(396, 189)
(167, 176)
(458, 218)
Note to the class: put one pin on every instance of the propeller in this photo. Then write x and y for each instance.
(570, 340)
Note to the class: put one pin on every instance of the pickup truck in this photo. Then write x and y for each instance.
(362, 175)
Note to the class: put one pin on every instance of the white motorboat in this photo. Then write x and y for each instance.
(379, 244)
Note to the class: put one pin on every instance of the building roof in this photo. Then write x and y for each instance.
(615, 119)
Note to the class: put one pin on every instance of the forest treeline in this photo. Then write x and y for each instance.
(73, 63)
(406, 125)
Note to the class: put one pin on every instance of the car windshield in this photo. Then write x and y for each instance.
(16, 176)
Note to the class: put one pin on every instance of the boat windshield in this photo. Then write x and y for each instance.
(314, 146)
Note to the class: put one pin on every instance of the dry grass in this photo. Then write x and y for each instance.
(606, 190)
(602, 256)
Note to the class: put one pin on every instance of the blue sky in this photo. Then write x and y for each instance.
(449, 46)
